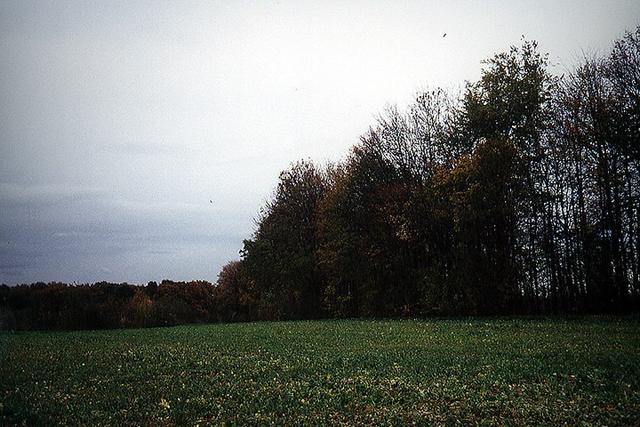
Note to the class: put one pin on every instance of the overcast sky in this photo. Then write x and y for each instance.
(139, 139)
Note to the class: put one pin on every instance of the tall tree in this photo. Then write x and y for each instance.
(280, 257)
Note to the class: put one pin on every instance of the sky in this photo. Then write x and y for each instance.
(138, 139)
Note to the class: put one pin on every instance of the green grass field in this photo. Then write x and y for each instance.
(442, 372)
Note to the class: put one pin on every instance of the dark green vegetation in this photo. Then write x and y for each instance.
(442, 372)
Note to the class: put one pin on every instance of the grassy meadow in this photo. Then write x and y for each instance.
(389, 372)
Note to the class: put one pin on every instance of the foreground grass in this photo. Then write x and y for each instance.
(443, 372)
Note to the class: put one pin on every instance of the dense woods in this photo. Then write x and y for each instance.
(520, 195)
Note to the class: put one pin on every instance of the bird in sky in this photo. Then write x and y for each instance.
(210, 201)
(444, 35)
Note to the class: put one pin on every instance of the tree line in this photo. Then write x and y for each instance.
(518, 195)
(105, 305)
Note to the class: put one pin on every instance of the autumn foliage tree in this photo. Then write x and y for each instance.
(519, 196)
(280, 258)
